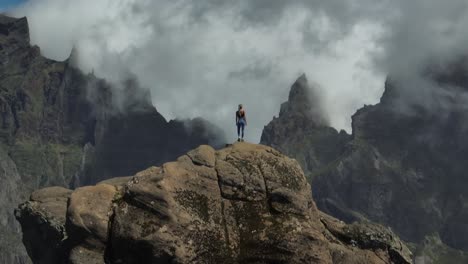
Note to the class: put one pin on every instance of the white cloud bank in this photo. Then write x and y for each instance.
(202, 58)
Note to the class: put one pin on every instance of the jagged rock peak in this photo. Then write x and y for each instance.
(302, 80)
(303, 101)
(16, 28)
(4, 19)
(73, 58)
(300, 92)
(242, 204)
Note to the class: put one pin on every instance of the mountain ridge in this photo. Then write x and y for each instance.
(60, 126)
(400, 167)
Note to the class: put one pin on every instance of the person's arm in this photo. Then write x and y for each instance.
(245, 117)
(237, 119)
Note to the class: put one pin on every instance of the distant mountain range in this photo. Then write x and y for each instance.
(404, 165)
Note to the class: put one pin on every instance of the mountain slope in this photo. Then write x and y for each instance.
(59, 126)
(403, 165)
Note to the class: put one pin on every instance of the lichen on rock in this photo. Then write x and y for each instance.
(242, 204)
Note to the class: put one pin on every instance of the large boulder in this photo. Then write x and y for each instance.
(243, 204)
(43, 219)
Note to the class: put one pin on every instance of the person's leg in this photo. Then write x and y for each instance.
(243, 126)
(238, 130)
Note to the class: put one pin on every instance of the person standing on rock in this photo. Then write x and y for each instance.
(241, 122)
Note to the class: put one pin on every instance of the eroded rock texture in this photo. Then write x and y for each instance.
(242, 204)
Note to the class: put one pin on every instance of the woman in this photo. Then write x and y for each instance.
(241, 122)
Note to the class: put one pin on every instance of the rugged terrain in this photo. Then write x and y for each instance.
(243, 204)
(403, 166)
(61, 127)
(301, 130)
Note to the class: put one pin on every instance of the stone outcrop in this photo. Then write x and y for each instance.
(242, 204)
(402, 166)
(301, 130)
(59, 126)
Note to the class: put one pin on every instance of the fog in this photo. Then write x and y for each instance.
(203, 58)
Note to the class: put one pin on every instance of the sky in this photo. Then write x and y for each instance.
(7, 4)
(203, 58)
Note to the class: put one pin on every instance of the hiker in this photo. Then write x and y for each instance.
(241, 122)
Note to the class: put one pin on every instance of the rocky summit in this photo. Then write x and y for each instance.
(62, 127)
(402, 166)
(245, 203)
(301, 130)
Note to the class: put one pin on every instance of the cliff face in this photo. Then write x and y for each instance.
(61, 127)
(301, 130)
(242, 204)
(402, 166)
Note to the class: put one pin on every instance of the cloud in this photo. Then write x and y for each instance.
(202, 58)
